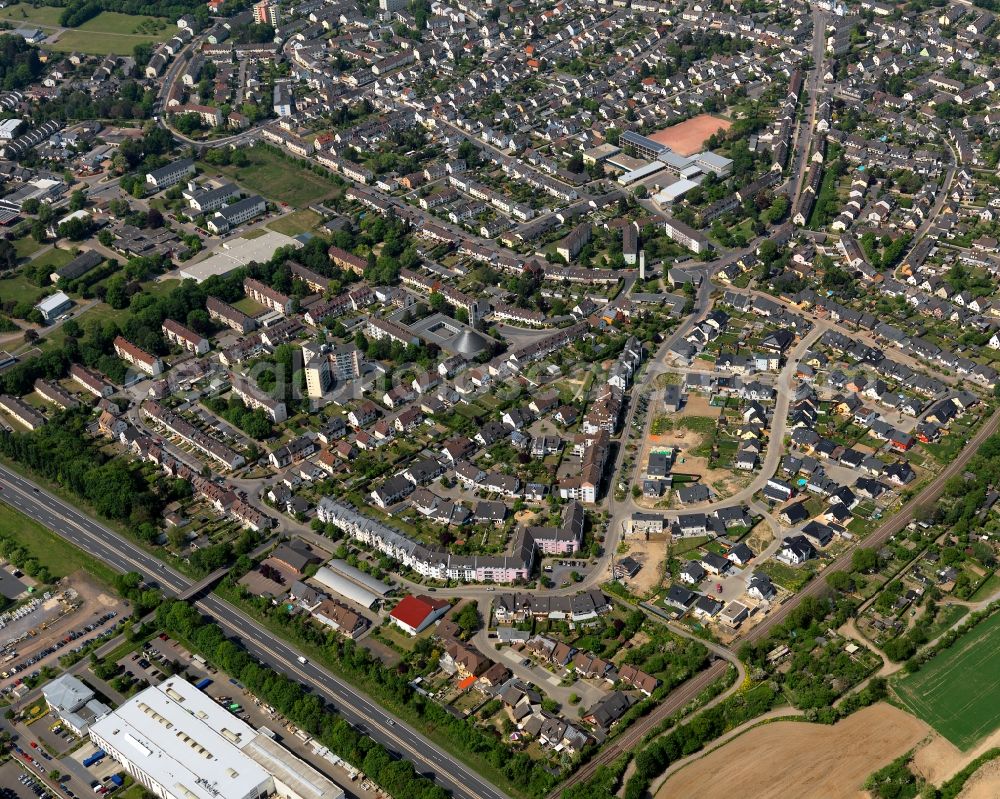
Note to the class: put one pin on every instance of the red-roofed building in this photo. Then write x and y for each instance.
(415, 613)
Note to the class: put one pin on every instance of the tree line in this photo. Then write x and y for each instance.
(392, 690)
(308, 711)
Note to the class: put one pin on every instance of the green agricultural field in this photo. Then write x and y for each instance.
(957, 691)
(276, 179)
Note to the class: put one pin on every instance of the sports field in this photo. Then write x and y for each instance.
(687, 137)
(957, 691)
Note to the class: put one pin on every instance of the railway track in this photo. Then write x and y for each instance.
(627, 741)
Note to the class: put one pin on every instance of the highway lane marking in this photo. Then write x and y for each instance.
(285, 660)
(90, 535)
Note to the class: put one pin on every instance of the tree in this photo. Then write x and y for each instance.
(154, 218)
(864, 560)
(839, 581)
(77, 200)
(8, 255)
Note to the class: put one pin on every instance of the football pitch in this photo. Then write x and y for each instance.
(957, 691)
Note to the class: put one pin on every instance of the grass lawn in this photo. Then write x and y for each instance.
(276, 179)
(23, 14)
(26, 247)
(19, 288)
(58, 555)
(54, 258)
(98, 313)
(945, 450)
(789, 577)
(158, 288)
(957, 691)
(296, 222)
(95, 43)
(249, 306)
(698, 424)
(158, 28)
(988, 588)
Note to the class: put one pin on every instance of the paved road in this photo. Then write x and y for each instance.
(629, 739)
(930, 493)
(121, 554)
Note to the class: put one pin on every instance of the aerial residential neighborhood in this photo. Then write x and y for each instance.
(524, 400)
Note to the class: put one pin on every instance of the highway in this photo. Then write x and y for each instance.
(119, 553)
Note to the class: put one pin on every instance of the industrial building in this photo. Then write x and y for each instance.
(341, 578)
(177, 742)
(73, 703)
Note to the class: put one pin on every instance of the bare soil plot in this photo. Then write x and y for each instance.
(687, 137)
(651, 555)
(801, 760)
(984, 784)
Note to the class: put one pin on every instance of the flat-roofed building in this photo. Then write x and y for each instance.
(177, 742)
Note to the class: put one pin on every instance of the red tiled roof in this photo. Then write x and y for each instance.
(413, 610)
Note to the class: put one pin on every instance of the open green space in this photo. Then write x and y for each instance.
(58, 555)
(791, 578)
(23, 14)
(275, 178)
(158, 28)
(18, 287)
(108, 32)
(26, 246)
(296, 222)
(94, 43)
(957, 691)
(990, 586)
(54, 258)
(249, 306)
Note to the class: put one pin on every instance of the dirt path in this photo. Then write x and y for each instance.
(797, 759)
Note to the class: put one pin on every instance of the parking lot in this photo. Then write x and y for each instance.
(97, 627)
(12, 780)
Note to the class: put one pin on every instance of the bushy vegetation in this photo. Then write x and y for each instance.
(687, 738)
(19, 64)
(820, 671)
(894, 781)
(306, 710)
(63, 452)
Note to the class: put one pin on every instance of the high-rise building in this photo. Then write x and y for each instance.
(266, 13)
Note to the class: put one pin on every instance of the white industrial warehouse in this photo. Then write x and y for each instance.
(177, 742)
(351, 583)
